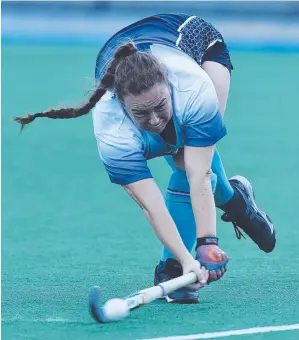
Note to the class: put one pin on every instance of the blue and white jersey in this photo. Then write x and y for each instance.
(124, 148)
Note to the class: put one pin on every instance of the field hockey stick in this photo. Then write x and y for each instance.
(118, 309)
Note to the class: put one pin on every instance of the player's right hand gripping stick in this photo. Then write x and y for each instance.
(211, 257)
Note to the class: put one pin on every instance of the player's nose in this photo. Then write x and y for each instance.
(154, 119)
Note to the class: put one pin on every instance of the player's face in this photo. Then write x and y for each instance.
(151, 109)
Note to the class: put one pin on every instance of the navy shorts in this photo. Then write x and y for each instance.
(193, 35)
(203, 42)
(219, 53)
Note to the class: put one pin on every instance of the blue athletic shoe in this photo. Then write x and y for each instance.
(170, 269)
(243, 212)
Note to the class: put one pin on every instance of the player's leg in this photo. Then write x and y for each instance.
(230, 195)
(235, 196)
(211, 53)
(217, 64)
(220, 77)
(179, 205)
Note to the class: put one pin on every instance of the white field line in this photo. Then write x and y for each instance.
(231, 333)
(214, 335)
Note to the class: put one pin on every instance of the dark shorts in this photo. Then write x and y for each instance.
(203, 42)
(193, 35)
(219, 54)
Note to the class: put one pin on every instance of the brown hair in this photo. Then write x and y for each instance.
(130, 71)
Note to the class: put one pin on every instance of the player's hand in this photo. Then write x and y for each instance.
(212, 257)
(202, 274)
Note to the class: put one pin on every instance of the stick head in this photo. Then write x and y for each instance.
(113, 310)
(95, 308)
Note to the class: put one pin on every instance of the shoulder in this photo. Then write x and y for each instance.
(119, 141)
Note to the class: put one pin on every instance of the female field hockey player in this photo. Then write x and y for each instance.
(163, 84)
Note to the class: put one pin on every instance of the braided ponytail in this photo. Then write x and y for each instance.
(107, 82)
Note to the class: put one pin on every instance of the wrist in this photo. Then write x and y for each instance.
(208, 233)
(207, 240)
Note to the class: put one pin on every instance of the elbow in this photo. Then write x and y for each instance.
(200, 179)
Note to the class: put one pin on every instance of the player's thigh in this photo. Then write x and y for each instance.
(217, 63)
(220, 77)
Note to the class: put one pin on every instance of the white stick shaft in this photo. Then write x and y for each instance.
(150, 294)
(179, 282)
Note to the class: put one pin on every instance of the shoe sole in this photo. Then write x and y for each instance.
(182, 301)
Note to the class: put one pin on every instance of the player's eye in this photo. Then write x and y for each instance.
(160, 108)
(140, 115)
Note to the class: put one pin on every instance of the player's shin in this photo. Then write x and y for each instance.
(224, 191)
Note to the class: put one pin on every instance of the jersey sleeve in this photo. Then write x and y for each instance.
(203, 124)
(124, 160)
(120, 144)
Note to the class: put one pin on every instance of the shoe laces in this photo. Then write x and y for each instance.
(228, 218)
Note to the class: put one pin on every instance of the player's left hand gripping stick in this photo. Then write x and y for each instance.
(118, 309)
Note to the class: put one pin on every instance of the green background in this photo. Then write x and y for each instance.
(66, 228)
